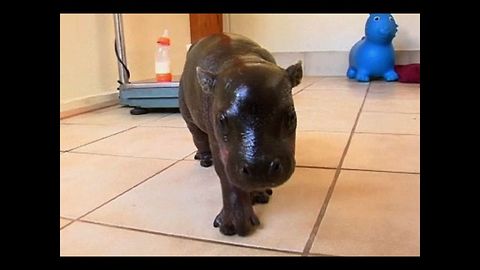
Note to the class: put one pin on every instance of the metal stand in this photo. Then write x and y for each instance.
(142, 95)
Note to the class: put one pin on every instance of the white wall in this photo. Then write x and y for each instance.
(141, 34)
(87, 61)
(88, 66)
(318, 32)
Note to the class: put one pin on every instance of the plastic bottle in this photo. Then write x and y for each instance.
(162, 59)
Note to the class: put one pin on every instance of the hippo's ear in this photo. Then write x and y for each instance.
(295, 73)
(206, 80)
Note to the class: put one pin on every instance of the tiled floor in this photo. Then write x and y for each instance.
(129, 184)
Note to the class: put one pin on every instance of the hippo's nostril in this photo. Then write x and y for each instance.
(275, 166)
(245, 170)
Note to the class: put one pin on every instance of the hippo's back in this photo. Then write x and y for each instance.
(212, 52)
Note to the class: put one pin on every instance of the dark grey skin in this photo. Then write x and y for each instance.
(238, 105)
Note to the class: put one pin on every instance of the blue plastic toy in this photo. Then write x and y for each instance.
(373, 56)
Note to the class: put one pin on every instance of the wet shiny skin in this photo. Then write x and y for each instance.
(238, 105)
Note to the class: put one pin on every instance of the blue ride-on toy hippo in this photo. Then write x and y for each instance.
(373, 56)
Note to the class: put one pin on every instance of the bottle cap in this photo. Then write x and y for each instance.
(164, 39)
(167, 77)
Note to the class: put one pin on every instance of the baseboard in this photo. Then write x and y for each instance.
(333, 63)
(85, 104)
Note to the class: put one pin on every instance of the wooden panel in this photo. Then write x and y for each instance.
(202, 25)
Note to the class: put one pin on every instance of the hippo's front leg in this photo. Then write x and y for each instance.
(237, 215)
(390, 75)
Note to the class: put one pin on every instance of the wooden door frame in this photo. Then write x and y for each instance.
(203, 24)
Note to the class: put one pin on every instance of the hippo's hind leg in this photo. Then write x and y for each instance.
(200, 139)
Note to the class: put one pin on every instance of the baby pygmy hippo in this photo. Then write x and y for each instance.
(237, 103)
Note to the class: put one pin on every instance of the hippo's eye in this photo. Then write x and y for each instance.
(390, 18)
(376, 18)
(291, 121)
(223, 124)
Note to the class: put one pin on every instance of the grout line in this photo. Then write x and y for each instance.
(353, 169)
(345, 88)
(114, 155)
(303, 88)
(316, 226)
(184, 158)
(309, 244)
(356, 132)
(321, 130)
(77, 219)
(386, 133)
(70, 221)
(161, 115)
(88, 124)
(137, 126)
(379, 171)
(187, 237)
(101, 139)
(159, 126)
(389, 89)
(118, 195)
(335, 93)
(315, 167)
(322, 255)
(370, 111)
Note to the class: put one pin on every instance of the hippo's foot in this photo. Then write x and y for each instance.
(261, 196)
(205, 158)
(390, 76)
(239, 221)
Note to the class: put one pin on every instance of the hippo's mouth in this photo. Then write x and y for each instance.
(258, 183)
(256, 186)
(260, 173)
